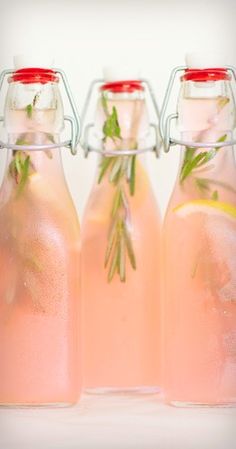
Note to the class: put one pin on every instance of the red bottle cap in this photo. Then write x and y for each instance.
(123, 86)
(34, 75)
(205, 75)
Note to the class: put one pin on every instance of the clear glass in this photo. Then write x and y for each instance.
(39, 258)
(200, 225)
(121, 257)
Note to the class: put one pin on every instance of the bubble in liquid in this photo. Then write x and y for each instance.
(221, 233)
(229, 342)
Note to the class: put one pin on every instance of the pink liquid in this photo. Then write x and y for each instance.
(200, 280)
(39, 289)
(121, 330)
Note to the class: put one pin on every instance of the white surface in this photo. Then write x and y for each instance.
(116, 422)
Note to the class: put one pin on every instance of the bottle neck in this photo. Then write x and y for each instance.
(121, 120)
(33, 108)
(34, 116)
(206, 112)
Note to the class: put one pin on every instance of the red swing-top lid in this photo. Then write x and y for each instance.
(121, 79)
(34, 75)
(33, 69)
(201, 75)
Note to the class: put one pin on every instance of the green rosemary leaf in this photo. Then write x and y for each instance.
(117, 202)
(50, 137)
(191, 162)
(129, 247)
(21, 141)
(132, 175)
(111, 242)
(121, 169)
(189, 154)
(20, 168)
(191, 165)
(218, 183)
(25, 166)
(29, 110)
(18, 162)
(122, 269)
(116, 169)
(223, 101)
(35, 99)
(222, 139)
(119, 176)
(118, 257)
(215, 195)
(202, 184)
(104, 105)
(113, 265)
(104, 165)
(111, 126)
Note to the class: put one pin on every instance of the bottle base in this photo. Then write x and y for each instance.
(23, 405)
(123, 390)
(183, 404)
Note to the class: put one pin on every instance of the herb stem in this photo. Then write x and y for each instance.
(120, 170)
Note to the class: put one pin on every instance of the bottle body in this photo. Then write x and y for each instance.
(39, 258)
(200, 224)
(121, 253)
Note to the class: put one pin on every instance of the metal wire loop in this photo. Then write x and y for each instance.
(14, 147)
(116, 153)
(90, 148)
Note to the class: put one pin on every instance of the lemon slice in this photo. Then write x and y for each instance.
(210, 207)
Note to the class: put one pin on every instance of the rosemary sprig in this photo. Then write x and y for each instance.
(21, 166)
(192, 161)
(20, 169)
(29, 110)
(120, 171)
(30, 107)
(111, 126)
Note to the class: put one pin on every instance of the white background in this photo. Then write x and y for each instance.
(83, 36)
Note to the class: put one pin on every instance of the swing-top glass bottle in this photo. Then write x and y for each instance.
(39, 247)
(121, 246)
(200, 224)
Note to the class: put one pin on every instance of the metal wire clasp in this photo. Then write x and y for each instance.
(166, 120)
(74, 120)
(87, 128)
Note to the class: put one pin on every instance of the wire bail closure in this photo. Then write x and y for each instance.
(166, 121)
(74, 121)
(87, 128)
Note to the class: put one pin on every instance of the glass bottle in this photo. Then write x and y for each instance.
(39, 250)
(200, 246)
(121, 249)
